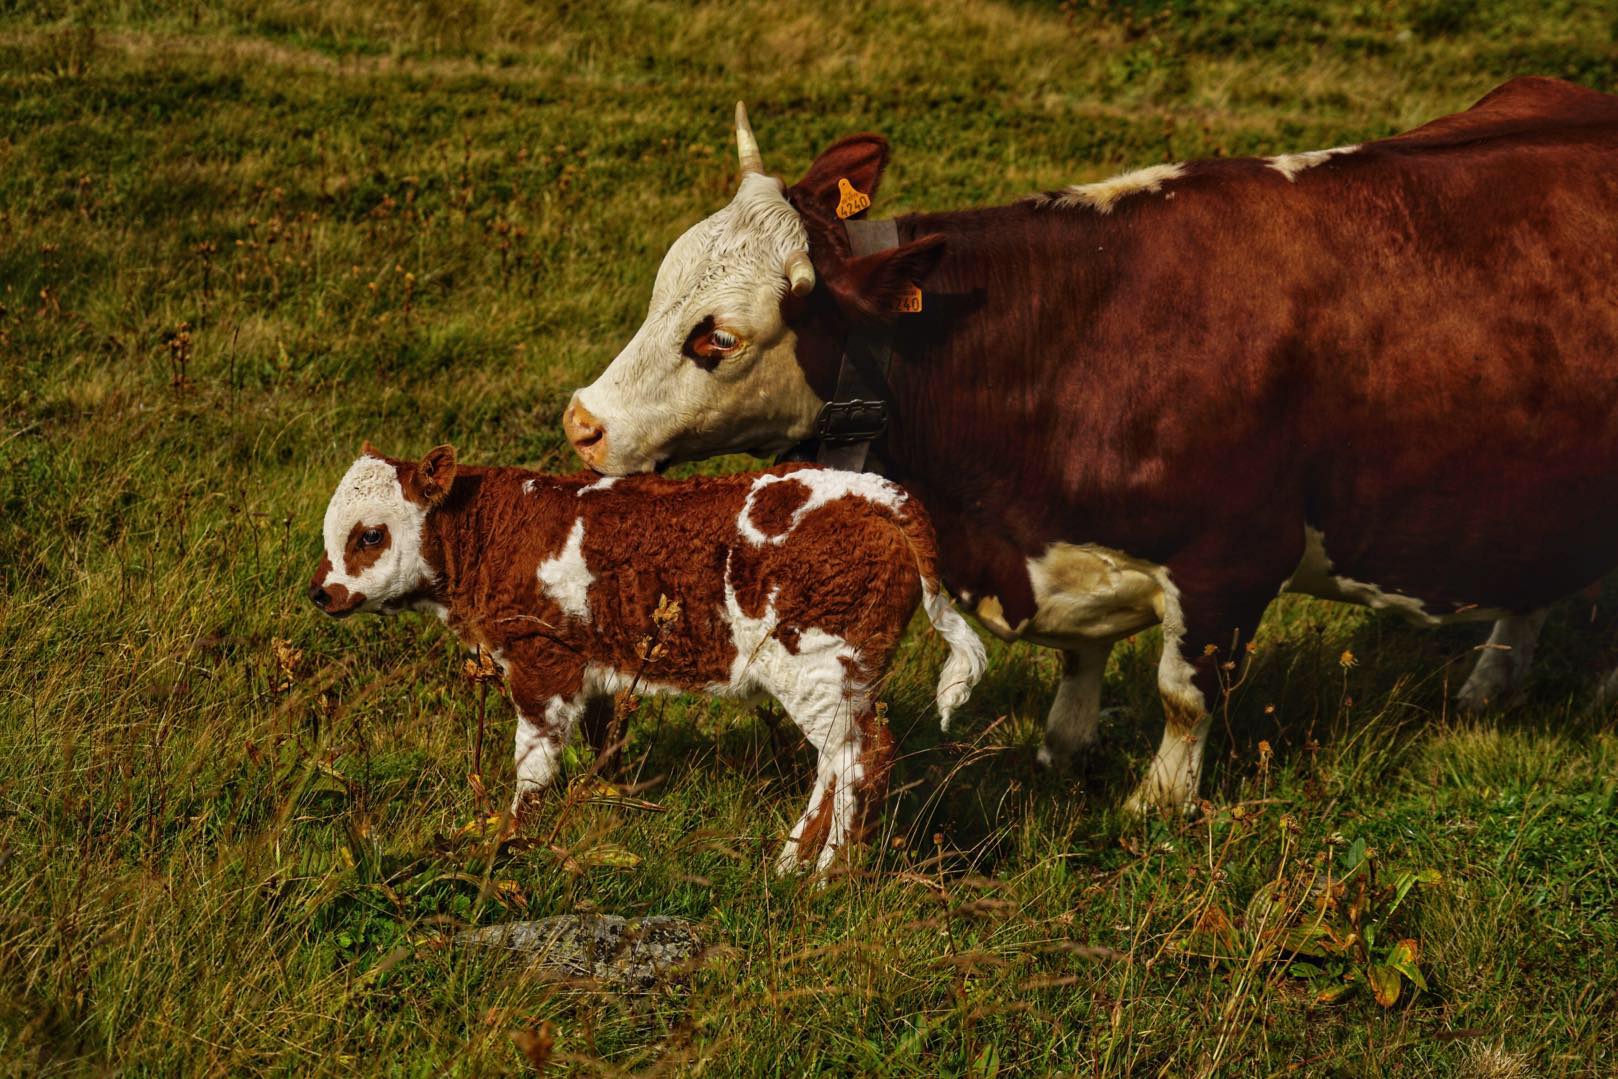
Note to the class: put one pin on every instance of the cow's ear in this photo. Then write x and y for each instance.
(858, 159)
(368, 450)
(429, 482)
(871, 289)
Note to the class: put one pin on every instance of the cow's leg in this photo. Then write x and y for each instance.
(1504, 663)
(1201, 628)
(1075, 714)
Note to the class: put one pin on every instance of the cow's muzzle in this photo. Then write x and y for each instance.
(334, 599)
(585, 432)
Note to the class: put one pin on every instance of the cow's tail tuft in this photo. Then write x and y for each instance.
(967, 658)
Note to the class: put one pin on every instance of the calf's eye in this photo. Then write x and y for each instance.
(370, 537)
(723, 340)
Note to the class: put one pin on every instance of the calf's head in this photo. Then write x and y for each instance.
(740, 345)
(375, 533)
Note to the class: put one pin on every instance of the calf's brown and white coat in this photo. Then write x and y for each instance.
(795, 583)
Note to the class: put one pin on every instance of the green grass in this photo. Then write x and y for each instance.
(418, 223)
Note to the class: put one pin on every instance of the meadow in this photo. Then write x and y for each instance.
(236, 239)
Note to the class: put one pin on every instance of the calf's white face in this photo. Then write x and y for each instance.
(713, 369)
(373, 534)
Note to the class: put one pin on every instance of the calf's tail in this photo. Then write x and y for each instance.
(967, 658)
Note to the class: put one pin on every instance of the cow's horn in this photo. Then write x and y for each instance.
(746, 144)
(800, 273)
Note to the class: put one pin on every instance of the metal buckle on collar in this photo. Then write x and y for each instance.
(842, 422)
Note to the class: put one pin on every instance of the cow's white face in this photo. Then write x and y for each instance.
(373, 539)
(713, 369)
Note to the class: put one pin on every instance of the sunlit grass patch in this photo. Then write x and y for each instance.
(236, 240)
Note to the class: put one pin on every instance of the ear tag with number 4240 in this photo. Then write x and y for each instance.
(849, 200)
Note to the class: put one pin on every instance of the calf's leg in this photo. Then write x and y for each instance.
(1075, 714)
(851, 780)
(1503, 664)
(550, 697)
(537, 748)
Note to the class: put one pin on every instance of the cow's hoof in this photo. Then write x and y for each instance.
(1480, 696)
(1605, 697)
(1053, 758)
(1154, 799)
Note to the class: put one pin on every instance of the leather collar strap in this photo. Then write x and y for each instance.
(858, 410)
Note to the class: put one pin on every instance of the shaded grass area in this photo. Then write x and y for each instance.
(237, 239)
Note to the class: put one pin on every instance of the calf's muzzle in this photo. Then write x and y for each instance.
(334, 599)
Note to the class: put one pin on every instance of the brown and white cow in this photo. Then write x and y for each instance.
(1385, 374)
(796, 583)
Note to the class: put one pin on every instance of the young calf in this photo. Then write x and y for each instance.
(797, 583)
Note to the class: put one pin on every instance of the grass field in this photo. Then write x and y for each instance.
(236, 239)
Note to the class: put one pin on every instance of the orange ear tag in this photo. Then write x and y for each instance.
(910, 302)
(850, 201)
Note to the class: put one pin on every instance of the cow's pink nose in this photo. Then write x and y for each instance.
(585, 432)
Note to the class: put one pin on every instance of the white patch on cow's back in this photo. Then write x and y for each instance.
(825, 485)
(599, 485)
(1289, 165)
(1314, 577)
(565, 577)
(1103, 195)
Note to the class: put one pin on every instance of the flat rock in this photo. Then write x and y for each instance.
(632, 954)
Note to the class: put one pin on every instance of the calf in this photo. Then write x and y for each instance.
(796, 583)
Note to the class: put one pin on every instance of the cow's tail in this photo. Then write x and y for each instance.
(967, 658)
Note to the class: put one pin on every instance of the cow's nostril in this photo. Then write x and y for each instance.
(583, 430)
(319, 597)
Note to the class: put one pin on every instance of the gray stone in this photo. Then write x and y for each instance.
(632, 954)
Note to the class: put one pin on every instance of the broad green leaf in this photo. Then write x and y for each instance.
(1307, 940)
(1354, 857)
(1403, 958)
(1385, 984)
(1336, 991)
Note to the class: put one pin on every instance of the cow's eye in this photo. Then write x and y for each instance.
(708, 344)
(370, 537)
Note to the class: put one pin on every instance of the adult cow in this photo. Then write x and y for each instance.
(1385, 373)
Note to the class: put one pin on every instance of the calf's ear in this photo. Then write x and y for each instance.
(859, 159)
(429, 482)
(870, 289)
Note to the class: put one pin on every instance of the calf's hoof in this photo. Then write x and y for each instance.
(525, 808)
(787, 863)
(795, 860)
